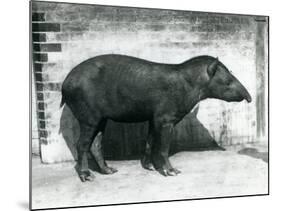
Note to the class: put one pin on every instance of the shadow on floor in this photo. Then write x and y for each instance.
(125, 141)
(24, 205)
(252, 152)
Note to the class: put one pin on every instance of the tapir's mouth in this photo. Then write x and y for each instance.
(234, 97)
(248, 99)
(247, 96)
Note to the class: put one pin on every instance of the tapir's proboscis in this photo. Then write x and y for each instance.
(129, 89)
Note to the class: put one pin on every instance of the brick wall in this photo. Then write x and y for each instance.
(42, 49)
(66, 34)
(35, 132)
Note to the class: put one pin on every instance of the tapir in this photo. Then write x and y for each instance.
(129, 89)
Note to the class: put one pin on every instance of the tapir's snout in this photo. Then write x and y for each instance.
(243, 92)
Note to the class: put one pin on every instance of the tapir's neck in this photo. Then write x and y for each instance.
(193, 97)
(195, 81)
(195, 91)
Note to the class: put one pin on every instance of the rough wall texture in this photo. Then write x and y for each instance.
(35, 133)
(66, 34)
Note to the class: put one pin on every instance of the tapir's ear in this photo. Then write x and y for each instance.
(195, 110)
(213, 67)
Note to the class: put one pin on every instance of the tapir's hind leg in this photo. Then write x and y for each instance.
(87, 133)
(97, 151)
(88, 122)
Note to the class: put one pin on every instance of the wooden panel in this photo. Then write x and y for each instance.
(261, 71)
(127, 140)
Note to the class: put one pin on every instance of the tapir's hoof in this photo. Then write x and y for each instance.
(108, 170)
(176, 170)
(146, 164)
(86, 176)
(168, 172)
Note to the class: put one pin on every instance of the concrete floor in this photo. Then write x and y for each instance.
(237, 171)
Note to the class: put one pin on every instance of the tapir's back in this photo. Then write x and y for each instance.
(114, 65)
(117, 83)
(111, 71)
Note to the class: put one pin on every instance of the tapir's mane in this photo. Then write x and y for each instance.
(204, 59)
(199, 58)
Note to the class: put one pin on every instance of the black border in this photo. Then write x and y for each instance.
(146, 202)
(30, 106)
(268, 100)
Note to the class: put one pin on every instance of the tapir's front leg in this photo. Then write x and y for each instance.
(146, 160)
(160, 150)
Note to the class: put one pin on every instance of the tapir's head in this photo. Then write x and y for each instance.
(223, 85)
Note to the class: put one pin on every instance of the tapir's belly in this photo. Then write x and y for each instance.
(129, 112)
(130, 118)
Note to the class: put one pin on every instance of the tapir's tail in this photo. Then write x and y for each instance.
(62, 101)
